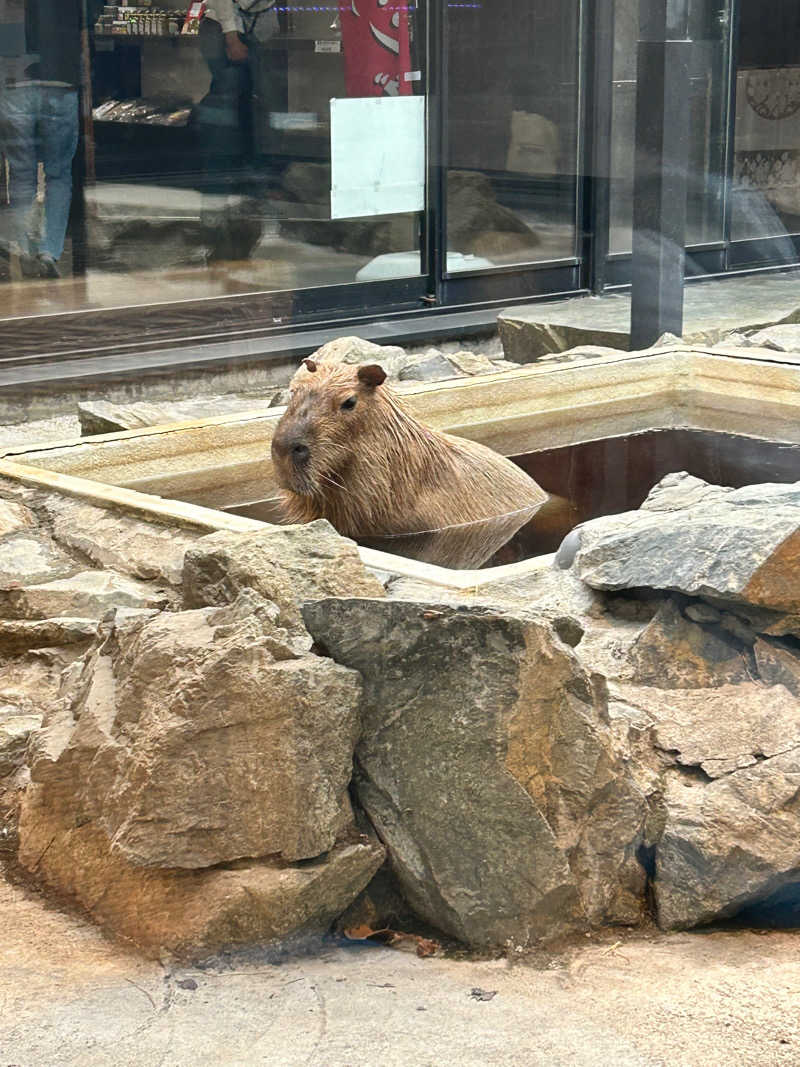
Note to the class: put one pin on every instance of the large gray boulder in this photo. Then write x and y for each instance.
(202, 737)
(740, 545)
(486, 765)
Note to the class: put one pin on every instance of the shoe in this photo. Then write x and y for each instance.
(48, 268)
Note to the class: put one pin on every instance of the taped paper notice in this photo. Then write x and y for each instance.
(377, 156)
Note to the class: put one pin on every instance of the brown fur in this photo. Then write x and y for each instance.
(387, 480)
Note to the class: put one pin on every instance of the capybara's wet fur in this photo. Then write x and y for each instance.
(346, 450)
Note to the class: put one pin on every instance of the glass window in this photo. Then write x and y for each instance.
(175, 153)
(511, 132)
(708, 30)
(765, 199)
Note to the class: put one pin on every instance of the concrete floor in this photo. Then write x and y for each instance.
(70, 998)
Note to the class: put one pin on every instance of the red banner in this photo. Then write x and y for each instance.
(376, 45)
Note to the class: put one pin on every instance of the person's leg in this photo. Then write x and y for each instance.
(59, 140)
(18, 116)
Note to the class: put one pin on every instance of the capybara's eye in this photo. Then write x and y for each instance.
(349, 404)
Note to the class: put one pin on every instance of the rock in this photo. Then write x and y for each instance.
(431, 366)
(472, 362)
(727, 844)
(476, 221)
(785, 337)
(675, 653)
(201, 737)
(146, 550)
(777, 664)
(102, 416)
(741, 545)
(309, 183)
(15, 729)
(718, 730)
(285, 564)
(355, 350)
(700, 612)
(27, 558)
(18, 635)
(15, 517)
(90, 594)
(486, 765)
(190, 914)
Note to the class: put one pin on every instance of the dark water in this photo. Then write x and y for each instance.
(615, 474)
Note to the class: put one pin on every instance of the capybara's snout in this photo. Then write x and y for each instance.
(290, 447)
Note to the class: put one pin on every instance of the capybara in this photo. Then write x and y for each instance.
(346, 450)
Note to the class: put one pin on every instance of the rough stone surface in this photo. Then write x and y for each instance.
(102, 416)
(711, 313)
(703, 540)
(89, 594)
(718, 730)
(32, 557)
(14, 517)
(287, 565)
(15, 729)
(355, 350)
(729, 843)
(430, 366)
(778, 664)
(785, 338)
(190, 913)
(201, 737)
(675, 653)
(20, 635)
(472, 362)
(486, 765)
(145, 550)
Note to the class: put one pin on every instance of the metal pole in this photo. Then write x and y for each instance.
(660, 170)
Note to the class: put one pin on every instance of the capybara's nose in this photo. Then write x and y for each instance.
(300, 453)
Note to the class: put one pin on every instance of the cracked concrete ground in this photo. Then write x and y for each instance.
(70, 997)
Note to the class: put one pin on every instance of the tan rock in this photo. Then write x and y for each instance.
(720, 729)
(90, 594)
(30, 557)
(285, 564)
(19, 635)
(145, 550)
(190, 913)
(777, 664)
(197, 738)
(15, 517)
(675, 653)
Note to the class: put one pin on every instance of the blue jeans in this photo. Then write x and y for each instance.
(38, 124)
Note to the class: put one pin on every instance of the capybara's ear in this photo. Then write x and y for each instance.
(372, 375)
(310, 365)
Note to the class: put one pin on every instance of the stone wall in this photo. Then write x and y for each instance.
(186, 720)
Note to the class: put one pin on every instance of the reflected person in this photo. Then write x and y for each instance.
(39, 124)
(232, 36)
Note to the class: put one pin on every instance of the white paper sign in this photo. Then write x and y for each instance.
(377, 156)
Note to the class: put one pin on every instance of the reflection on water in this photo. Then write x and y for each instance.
(587, 480)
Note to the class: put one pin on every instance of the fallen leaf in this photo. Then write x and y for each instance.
(423, 946)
